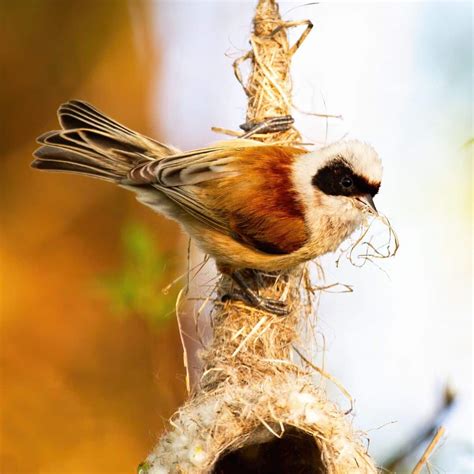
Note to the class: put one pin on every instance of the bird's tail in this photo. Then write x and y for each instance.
(93, 144)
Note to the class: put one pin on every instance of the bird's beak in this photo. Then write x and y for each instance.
(367, 200)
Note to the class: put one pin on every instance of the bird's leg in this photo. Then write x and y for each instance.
(250, 296)
(257, 277)
(269, 125)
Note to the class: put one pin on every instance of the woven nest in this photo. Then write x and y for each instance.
(279, 425)
(255, 409)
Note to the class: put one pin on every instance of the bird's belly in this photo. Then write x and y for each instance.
(231, 253)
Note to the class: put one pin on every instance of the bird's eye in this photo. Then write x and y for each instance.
(346, 182)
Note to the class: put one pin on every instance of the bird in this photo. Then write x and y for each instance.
(248, 204)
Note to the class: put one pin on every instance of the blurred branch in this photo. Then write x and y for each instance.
(413, 445)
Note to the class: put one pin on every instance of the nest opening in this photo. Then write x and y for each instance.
(296, 451)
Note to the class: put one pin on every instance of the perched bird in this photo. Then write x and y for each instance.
(247, 204)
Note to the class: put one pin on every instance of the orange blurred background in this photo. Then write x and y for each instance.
(83, 391)
(86, 388)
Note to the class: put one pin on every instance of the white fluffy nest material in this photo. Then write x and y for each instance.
(220, 421)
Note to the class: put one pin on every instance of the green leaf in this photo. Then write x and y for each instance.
(136, 288)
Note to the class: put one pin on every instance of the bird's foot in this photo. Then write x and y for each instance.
(276, 307)
(269, 125)
(252, 298)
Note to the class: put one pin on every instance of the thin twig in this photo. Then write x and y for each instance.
(429, 450)
(412, 445)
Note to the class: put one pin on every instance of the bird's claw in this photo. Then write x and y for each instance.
(269, 125)
(252, 298)
(276, 307)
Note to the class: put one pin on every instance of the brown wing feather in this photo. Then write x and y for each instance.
(239, 188)
(180, 177)
(261, 205)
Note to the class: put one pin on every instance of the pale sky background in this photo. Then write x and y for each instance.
(400, 74)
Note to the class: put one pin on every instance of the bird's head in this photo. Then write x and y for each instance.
(338, 183)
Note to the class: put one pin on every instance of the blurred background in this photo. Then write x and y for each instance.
(91, 364)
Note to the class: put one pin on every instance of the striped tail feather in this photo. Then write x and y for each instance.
(93, 144)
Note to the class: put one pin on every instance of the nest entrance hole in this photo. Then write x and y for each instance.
(295, 452)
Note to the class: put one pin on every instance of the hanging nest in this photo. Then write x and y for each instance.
(280, 425)
(255, 410)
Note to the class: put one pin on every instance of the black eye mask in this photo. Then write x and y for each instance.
(338, 179)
